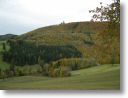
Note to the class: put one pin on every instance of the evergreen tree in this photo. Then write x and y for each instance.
(41, 63)
(4, 46)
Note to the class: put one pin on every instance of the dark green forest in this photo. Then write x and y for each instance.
(27, 53)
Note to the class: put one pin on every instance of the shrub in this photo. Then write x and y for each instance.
(74, 66)
(7, 73)
(62, 68)
(75, 63)
(3, 75)
(51, 71)
(56, 72)
(65, 71)
(45, 70)
(11, 74)
(59, 72)
(21, 73)
(17, 71)
(28, 70)
(39, 70)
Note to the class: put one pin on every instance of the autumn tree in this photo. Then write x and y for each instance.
(109, 14)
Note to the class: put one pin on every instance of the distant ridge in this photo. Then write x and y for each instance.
(6, 37)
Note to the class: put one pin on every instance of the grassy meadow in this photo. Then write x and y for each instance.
(103, 77)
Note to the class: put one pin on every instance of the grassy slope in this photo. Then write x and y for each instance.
(100, 77)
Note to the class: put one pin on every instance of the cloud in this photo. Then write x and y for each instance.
(20, 16)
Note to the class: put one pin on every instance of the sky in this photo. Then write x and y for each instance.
(21, 16)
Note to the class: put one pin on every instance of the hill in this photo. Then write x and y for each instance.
(7, 36)
(86, 37)
(64, 32)
(63, 50)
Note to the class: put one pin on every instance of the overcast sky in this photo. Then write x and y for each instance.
(21, 16)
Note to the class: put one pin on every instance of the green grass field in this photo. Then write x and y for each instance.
(96, 78)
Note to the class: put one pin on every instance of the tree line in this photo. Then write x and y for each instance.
(27, 53)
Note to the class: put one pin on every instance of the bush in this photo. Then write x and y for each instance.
(6, 73)
(62, 68)
(2, 75)
(59, 72)
(56, 72)
(11, 74)
(38, 70)
(21, 73)
(45, 70)
(28, 70)
(65, 71)
(17, 71)
(75, 63)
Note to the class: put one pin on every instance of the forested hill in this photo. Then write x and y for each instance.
(6, 37)
(88, 38)
(64, 29)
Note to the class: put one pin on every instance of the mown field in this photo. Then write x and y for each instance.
(96, 78)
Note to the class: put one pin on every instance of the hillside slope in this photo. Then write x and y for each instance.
(62, 30)
(85, 36)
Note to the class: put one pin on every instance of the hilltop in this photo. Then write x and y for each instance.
(65, 30)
